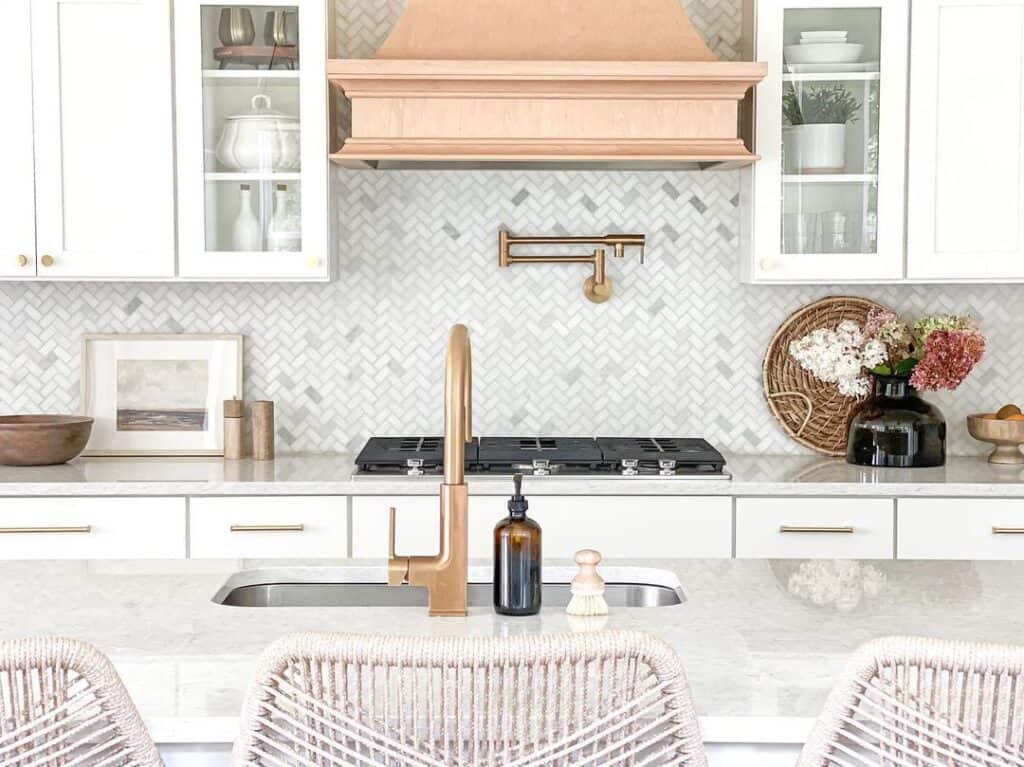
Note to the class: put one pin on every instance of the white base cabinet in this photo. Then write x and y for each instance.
(257, 528)
(92, 528)
(961, 528)
(621, 527)
(618, 526)
(814, 528)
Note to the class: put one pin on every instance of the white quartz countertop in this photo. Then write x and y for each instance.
(759, 654)
(332, 474)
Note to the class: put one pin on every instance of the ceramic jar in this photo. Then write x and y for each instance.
(260, 140)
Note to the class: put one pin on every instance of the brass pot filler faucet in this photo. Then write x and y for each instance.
(597, 287)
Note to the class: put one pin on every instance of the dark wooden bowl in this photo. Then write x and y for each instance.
(42, 440)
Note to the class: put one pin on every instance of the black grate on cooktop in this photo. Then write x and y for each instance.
(397, 452)
(688, 451)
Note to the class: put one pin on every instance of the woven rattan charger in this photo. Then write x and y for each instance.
(810, 411)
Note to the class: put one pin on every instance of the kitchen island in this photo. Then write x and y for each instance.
(760, 653)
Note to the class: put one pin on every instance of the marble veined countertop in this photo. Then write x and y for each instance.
(332, 474)
(760, 654)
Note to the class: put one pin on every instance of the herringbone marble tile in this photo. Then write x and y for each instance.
(677, 351)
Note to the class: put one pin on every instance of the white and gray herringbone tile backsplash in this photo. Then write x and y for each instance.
(677, 351)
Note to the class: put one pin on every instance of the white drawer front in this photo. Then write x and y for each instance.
(814, 528)
(618, 526)
(270, 527)
(960, 528)
(92, 528)
(418, 525)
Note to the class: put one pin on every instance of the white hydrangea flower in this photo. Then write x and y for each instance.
(843, 584)
(839, 356)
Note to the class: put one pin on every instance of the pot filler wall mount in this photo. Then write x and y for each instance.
(597, 287)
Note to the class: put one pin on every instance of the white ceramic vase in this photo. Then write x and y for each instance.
(815, 148)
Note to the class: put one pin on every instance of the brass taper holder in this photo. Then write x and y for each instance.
(597, 287)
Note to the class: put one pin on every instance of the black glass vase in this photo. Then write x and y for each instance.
(895, 427)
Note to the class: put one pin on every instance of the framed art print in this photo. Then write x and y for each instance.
(159, 394)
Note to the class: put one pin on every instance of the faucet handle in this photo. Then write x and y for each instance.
(398, 567)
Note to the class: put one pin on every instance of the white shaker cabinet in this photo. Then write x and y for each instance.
(104, 164)
(251, 139)
(17, 192)
(966, 146)
(826, 200)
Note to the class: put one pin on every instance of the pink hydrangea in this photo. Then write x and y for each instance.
(876, 319)
(949, 356)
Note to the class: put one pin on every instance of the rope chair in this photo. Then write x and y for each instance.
(611, 698)
(62, 704)
(908, 702)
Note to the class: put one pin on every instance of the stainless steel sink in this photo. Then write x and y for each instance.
(333, 587)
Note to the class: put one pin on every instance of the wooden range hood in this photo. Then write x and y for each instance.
(571, 83)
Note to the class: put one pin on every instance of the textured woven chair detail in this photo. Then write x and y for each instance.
(62, 704)
(327, 700)
(908, 702)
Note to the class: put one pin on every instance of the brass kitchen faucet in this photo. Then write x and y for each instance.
(444, 575)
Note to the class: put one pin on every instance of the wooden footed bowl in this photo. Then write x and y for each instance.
(42, 440)
(1007, 436)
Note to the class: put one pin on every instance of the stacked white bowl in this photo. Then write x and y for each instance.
(823, 47)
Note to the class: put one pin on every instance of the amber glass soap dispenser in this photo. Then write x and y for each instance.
(517, 559)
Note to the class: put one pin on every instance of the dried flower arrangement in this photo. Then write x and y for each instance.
(936, 352)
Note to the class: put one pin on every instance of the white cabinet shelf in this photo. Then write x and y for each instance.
(830, 178)
(251, 176)
(830, 77)
(251, 74)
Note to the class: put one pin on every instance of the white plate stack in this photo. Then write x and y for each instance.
(823, 47)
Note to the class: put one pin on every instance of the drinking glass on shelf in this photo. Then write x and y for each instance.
(799, 232)
(838, 231)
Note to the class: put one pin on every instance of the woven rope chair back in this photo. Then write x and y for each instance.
(910, 702)
(607, 698)
(62, 704)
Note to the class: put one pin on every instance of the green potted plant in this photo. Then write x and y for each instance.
(815, 139)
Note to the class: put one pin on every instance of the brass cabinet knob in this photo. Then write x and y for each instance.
(313, 262)
(22, 260)
(767, 264)
(47, 260)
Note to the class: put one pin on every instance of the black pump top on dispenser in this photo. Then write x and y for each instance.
(517, 504)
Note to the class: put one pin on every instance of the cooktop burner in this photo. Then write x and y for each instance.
(545, 456)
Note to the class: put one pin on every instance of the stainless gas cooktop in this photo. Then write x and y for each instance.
(547, 456)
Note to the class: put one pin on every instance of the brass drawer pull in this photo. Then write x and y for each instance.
(1008, 531)
(268, 528)
(815, 529)
(58, 529)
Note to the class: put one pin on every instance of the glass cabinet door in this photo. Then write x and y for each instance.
(249, 143)
(831, 132)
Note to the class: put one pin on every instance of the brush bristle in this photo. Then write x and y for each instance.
(590, 604)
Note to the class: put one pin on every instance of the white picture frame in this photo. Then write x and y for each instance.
(154, 394)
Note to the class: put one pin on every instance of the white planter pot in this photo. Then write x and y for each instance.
(815, 148)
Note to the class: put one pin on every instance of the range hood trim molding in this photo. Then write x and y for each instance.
(561, 107)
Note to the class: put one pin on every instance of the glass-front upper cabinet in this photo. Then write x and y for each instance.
(252, 146)
(831, 129)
